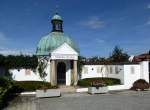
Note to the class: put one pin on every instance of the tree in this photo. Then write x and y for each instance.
(118, 55)
(94, 59)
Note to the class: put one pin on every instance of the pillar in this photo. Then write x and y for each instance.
(75, 75)
(53, 77)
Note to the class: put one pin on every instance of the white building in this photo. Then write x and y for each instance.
(60, 54)
(128, 73)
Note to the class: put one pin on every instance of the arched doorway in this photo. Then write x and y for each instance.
(61, 73)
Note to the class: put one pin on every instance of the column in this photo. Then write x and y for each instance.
(53, 73)
(75, 75)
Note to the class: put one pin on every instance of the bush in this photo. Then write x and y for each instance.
(7, 90)
(33, 85)
(140, 84)
(88, 81)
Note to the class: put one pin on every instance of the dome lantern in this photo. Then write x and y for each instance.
(57, 23)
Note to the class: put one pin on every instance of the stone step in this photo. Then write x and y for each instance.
(67, 89)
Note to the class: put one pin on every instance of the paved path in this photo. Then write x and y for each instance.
(67, 89)
(113, 101)
(127, 100)
(22, 103)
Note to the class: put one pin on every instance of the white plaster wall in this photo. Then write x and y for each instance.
(145, 70)
(119, 74)
(20, 75)
(141, 71)
(92, 72)
(117, 87)
(130, 78)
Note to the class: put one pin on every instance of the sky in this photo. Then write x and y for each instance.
(96, 25)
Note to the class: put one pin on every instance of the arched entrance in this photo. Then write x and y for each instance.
(61, 73)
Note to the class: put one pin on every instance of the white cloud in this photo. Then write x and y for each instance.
(6, 51)
(148, 6)
(93, 23)
(100, 41)
(3, 39)
(148, 22)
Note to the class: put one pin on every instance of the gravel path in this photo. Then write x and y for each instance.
(127, 100)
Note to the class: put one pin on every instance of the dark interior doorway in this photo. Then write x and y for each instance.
(61, 73)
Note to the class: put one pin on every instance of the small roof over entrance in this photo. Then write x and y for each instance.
(64, 52)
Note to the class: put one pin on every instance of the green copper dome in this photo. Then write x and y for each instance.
(56, 17)
(53, 40)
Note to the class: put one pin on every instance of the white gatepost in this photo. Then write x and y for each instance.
(144, 70)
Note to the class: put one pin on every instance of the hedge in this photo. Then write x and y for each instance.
(18, 62)
(33, 85)
(7, 88)
(108, 81)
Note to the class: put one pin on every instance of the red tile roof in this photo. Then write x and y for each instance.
(142, 57)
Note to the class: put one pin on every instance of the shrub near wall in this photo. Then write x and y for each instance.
(34, 85)
(140, 84)
(5, 85)
(108, 81)
(7, 90)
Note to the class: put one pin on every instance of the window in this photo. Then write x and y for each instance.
(116, 70)
(57, 26)
(27, 72)
(110, 69)
(85, 70)
(132, 71)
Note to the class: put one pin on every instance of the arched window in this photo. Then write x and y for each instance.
(57, 27)
(110, 69)
(116, 70)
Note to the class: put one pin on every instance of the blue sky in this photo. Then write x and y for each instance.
(96, 25)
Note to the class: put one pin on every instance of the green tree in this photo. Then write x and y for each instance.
(81, 59)
(94, 59)
(118, 55)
